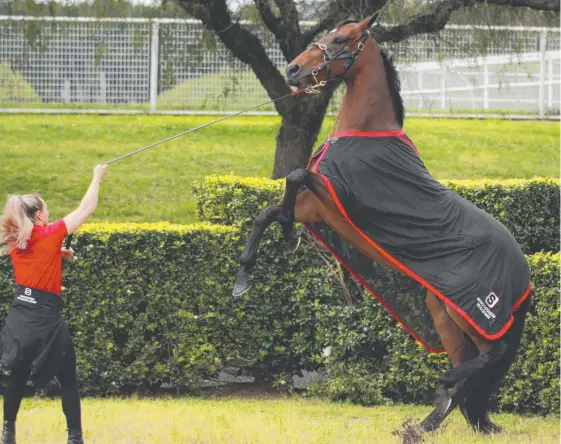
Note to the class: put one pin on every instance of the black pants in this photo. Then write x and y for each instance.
(68, 380)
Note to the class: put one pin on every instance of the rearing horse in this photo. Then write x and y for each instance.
(370, 199)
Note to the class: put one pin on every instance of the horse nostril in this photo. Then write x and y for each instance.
(293, 70)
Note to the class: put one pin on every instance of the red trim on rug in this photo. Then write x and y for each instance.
(523, 298)
(409, 272)
(409, 142)
(372, 291)
(395, 133)
(400, 134)
(319, 153)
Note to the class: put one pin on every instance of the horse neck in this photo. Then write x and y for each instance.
(368, 105)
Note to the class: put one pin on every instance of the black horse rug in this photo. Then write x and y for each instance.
(438, 240)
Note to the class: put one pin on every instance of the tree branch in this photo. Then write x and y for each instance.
(270, 20)
(437, 18)
(429, 22)
(243, 44)
(288, 11)
(336, 14)
(540, 5)
(339, 10)
(291, 46)
(285, 28)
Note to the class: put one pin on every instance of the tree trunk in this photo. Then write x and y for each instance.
(299, 130)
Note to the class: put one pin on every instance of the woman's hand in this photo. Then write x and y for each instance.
(99, 171)
(67, 253)
(89, 203)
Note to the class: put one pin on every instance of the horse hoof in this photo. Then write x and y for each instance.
(443, 405)
(293, 243)
(242, 284)
(443, 401)
(432, 422)
(486, 427)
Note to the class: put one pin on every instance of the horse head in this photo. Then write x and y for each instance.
(335, 56)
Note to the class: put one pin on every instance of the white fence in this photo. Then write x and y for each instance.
(177, 66)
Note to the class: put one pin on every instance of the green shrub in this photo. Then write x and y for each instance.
(528, 208)
(220, 91)
(151, 305)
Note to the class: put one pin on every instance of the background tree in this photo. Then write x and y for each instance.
(302, 117)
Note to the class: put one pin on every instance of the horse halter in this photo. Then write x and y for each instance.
(343, 54)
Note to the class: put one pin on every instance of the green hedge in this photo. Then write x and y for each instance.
(528, 208)
(151, 305)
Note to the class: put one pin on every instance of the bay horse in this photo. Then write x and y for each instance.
(370, 200)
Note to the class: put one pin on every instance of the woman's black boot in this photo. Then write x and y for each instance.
(9, 432)
(75, 436)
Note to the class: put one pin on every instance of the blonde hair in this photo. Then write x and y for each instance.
(16, 224)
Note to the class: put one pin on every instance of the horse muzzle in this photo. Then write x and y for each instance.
(296, 76)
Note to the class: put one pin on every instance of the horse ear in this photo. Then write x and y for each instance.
(372, 19)
(369, 21)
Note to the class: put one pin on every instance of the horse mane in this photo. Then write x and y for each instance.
(394, 82)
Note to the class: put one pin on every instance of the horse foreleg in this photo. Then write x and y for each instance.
(249, 255)
(299, 207)
(294, 181)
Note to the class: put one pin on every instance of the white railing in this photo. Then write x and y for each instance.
(60, 64)
(464, 71)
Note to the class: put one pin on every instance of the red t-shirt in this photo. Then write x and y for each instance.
(38, 263)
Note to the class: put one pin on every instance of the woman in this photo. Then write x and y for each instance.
(35, 341)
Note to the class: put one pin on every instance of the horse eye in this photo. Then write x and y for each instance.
(339, 40)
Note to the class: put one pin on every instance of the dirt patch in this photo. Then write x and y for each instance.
(410, 432)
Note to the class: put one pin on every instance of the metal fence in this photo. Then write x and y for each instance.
(177, 66)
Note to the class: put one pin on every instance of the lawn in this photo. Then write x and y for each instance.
(232, 420)
(54, 154)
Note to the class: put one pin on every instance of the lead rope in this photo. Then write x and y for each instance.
(312, 89)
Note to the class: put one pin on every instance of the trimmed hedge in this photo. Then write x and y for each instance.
(528, 208)
(151, 305)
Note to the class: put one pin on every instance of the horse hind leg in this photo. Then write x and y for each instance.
(459, 349)
(490, 353)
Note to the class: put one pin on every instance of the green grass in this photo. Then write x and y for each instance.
(55, 154)
(258, 421)
(222, 91)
